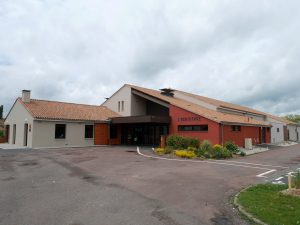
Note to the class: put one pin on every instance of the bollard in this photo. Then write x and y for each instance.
(290, 181)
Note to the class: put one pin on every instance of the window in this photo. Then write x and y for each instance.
(278, 130)
(193, 128)
(122, 106)
(119, 106)
(235, 128)
(113, 132)
(89, 131)
(60, 131)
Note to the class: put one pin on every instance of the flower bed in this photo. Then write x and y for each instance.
(186, 147)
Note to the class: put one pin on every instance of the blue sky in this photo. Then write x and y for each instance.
(246, 52)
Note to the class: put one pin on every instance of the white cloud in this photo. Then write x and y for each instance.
(84, 50)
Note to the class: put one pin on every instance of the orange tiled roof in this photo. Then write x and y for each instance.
(52, 110)
(202, 111)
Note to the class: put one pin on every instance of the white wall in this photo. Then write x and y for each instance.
(44, 135)
(292, 132)
(277, 137)
(124, 94)
(19, 116)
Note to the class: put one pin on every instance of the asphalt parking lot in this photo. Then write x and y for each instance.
(115, 185)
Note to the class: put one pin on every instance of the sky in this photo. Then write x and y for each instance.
(245, 52)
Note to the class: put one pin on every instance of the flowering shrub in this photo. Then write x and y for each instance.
(219, 152)
(160, 151)
(185, 154)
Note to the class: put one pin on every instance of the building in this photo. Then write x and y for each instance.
(139, 116)
(39, 123)
(147, 114)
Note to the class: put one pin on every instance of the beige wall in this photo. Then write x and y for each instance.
(44, 135)
(138, 106)
(19, 116)
(124, 94)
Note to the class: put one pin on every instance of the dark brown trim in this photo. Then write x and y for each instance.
(140, 119)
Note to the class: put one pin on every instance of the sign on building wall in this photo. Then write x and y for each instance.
(189, 119)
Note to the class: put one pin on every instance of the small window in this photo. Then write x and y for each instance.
(122, 106)
(119, 106)
(193, 128)
(60, 131)
(89, 131)
(236, 128)
(278, 129)
(113, 132)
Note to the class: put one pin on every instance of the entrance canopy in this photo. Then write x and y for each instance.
(140, 119)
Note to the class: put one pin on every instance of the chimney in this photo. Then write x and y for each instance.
(167, 91)
(26, 95)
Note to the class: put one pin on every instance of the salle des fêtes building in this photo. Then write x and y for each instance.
(139, 116)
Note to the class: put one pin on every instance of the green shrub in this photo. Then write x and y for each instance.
(185, 154)
(160, 151)
(177, 142)
(1, 133)
(206, 146)
(169, 149)
(242, 153)
(193, 142)
(233, 148)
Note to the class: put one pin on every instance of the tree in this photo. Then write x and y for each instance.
(293, 117)
(1, 111)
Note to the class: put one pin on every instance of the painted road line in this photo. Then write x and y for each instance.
(265, 173)
(206, 161)
(279, 178)
(255, 164)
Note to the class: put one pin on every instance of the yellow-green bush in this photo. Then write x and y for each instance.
(185, 154)
(160, 151)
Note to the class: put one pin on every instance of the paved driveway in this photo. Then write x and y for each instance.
(115, 185)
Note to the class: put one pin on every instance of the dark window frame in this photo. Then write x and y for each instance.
(278, 130)
(236, 128)
(63, 136)
(193, 128)
(87, 134)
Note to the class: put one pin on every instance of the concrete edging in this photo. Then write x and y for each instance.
(243, 211)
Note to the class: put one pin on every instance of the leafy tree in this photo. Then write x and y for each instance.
(293, 117)
(1, 111)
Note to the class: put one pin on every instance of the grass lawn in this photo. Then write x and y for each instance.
(266, 203)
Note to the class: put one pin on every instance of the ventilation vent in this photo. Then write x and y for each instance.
(167, 91)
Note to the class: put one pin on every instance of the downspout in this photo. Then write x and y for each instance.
(222, 133)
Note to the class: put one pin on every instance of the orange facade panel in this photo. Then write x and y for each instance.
(101, 134)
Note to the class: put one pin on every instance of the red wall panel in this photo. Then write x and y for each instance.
(214, 135)
(238, 137)
(182, 117)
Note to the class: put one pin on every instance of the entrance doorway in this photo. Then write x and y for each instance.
(143, 134)
(7, 133)
(262, 133)
(14, 133)
(25, 134)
